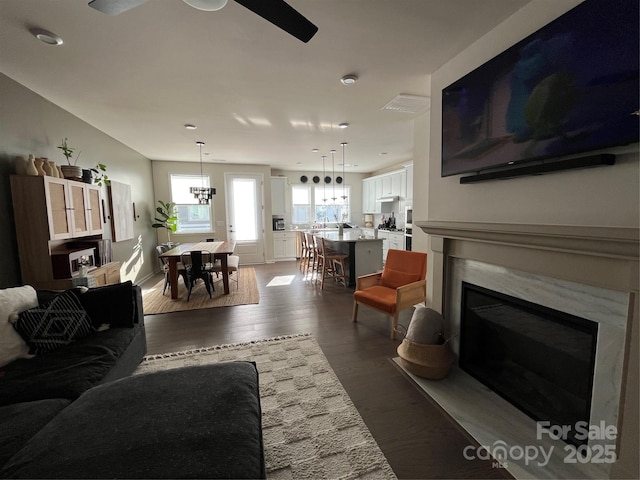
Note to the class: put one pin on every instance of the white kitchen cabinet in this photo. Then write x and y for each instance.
(396, 241)
(387, 185)
(284, 245)
(368, 204)
(384, 235)
(378, 188)
(279, 196)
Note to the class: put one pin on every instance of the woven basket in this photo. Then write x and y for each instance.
(427, 361)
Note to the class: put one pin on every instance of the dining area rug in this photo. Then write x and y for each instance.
(244, 293)
(311, 428)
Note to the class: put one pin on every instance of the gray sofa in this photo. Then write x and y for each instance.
(76, 412)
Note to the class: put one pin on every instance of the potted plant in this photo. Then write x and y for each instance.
(99, 175)
(167, 218)
(71, 170)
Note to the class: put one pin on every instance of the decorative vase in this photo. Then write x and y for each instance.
(60, 174)
(54, 169)
(86, 175)
(84, 270)
(38, 162)
(31, 167)
(46, 167)
(73, 172)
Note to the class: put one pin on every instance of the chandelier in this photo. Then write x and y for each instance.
(202, 194)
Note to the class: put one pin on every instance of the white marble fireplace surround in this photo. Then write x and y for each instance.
(591, 272)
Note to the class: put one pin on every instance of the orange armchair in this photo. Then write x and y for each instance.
(400, 285)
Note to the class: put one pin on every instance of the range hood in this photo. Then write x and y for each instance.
(390, 198)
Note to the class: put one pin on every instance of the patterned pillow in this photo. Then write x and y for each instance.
(55, 324)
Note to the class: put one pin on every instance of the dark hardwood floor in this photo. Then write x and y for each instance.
(417, 437)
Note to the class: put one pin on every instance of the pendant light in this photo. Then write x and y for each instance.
(202, 194)
(324, 179)
(344, 197)
(333, 173)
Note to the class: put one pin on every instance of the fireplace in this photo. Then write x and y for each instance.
(539, 359)
(587, 272)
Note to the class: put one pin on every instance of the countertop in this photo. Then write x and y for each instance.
(347, 236)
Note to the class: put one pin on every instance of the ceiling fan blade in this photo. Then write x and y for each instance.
(282, 15)
(115, 7)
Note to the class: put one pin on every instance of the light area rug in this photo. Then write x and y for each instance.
(245, 293)
(311, 429)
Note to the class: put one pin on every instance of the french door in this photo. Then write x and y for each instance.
(245, 215)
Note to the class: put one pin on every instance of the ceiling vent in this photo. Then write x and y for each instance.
(408, 104)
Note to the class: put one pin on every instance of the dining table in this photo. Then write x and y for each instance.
(218, 250)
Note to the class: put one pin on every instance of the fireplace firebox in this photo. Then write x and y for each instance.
(539, 359)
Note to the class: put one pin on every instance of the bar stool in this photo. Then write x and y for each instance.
(304, 250)
(330, 264)
(312, 260)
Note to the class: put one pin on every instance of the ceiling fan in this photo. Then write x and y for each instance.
(278, 12)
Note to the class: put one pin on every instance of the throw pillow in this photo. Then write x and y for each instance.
(394, 278)
(112, 304)
(55, 324)
(426, 326)
(15, 299)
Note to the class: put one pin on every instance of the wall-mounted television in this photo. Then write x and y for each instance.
(571, 87)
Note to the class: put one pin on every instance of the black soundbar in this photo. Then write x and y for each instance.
(542, 168)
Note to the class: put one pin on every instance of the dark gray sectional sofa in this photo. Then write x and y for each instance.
(76, 412)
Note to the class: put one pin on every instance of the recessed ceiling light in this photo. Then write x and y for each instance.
(382, 153)
(189, 126)
(315, 150)
(45, 36)
(349, 79)
(343, 125)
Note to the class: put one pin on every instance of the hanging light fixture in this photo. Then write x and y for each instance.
(202, 194)
(333, 173)
(344, 197)
(324, 179)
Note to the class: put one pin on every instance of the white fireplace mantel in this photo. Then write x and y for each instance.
(605, 257)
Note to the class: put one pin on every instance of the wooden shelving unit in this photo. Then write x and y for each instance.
(49, 212)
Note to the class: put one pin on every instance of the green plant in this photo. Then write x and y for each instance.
(100, 176)
(167, 217)
(67, 151)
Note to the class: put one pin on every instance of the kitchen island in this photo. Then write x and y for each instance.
(365, 253)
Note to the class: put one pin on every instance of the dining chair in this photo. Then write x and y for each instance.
(233, 265)
(400, 285)
(195, 270)
(164, 267)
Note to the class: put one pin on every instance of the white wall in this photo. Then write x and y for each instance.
(606, 196)
(33, 125)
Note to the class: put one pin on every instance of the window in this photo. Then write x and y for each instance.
(320, 204)
(301, 200)
(192, 217)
